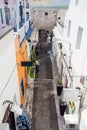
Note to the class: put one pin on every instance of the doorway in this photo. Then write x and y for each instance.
(11, 121)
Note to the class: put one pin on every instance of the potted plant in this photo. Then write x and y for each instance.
(33, 56)
(63, 106)
(59, 87)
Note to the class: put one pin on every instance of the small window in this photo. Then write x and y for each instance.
(69, 28)
(46, 13)
(79, 37)
(59, 18)
(76, 2)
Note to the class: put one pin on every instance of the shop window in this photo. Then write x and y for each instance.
(22, 87)
(79, 37)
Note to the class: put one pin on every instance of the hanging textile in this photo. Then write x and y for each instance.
(24, 121)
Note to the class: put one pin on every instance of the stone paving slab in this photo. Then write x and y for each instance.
(44, 110)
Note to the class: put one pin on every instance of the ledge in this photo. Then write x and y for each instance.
(5, 31)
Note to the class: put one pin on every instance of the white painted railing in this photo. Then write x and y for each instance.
(22, 33)
(23, 30)
(26, 26)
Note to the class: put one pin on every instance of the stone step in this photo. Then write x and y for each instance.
(43, 82)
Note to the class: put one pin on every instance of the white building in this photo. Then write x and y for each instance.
(9, 91)
(75, 32)
(74, 52)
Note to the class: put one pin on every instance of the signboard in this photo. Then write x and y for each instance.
(26, 63)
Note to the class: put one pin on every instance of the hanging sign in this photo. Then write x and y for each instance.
(26, 63)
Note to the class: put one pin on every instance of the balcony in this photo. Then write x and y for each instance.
(21, 23)
(25, 30)
(29, 31)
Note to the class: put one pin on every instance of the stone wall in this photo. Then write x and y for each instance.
(46, 18)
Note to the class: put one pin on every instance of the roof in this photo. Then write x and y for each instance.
(54, 4)
(60, 3)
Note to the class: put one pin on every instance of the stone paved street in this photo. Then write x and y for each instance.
(44, 116)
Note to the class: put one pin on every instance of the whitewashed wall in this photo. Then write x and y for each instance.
(77, 14)
(8, 72)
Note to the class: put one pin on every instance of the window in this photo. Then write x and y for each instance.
(79, 37)
(69, 28)
(76, 2)
(7, 15)
(27, 5)
(1, 17)
(6, 1)
(46, 13)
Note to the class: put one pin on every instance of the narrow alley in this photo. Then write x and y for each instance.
(43, 65)
(44, 116)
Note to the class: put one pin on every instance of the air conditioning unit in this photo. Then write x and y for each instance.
(4, 126)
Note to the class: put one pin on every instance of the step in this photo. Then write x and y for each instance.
(43, 82)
